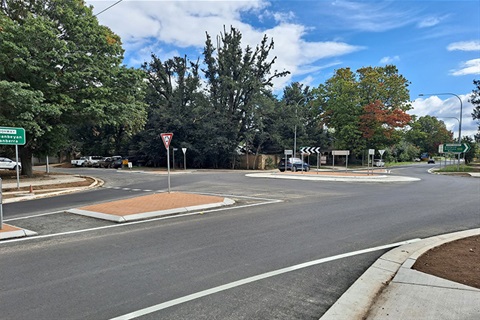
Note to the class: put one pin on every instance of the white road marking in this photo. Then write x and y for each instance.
(133, 222)
(238, 283)
(34, 216)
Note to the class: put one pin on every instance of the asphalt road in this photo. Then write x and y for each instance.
(108, 271)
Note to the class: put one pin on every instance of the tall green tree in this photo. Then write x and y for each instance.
(176, 103)
(236, 78)
(58, 49)
(341, 104)
(365, 108)
(427, 133)
(475, 100)
(301, 118)
(385, 99)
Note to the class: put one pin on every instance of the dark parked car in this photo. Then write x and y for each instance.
(118, 163)
(293, 164)
(107, 162)
(431, 161)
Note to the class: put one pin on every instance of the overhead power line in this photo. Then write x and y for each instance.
(107, 8)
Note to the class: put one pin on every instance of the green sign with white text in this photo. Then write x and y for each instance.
(12, 136)
(456, 147)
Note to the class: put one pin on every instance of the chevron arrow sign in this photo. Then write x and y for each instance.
(310, 150)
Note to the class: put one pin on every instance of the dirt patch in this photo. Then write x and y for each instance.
(457, 261)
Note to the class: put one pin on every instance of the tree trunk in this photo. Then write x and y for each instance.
(26, 160)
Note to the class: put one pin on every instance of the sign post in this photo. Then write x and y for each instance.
(340, 153)
(457, 148)
(173, 164)
(167, 138)
(381, 154)
(371, 152)
(310, 150)
(184, 158)
(13, 136)
(287, 153)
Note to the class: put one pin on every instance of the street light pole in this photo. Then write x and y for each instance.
(459, 121)
(458, 126)
(461, 110)
(452, 118)
(295, 129)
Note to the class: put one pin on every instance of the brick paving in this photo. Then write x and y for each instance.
(154, 202)
(9, 228)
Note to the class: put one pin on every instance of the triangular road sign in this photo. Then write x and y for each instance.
(166, 138)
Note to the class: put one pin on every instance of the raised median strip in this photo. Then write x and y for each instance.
(9, 232)
(150, 206)
(350, 176)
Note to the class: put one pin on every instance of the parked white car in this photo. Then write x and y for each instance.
(378, 163)
(6, 163)
(82, 162)
(86, 161)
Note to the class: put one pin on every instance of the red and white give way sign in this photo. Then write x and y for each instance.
(166, 138)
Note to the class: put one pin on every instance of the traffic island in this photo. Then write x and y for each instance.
(9, 232)
(151, 206)
(379, 176)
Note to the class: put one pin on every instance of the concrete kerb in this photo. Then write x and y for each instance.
(320, 177)
(16, 233)
(356, 302)
(435, 171)
(151, 214)
(58, 191)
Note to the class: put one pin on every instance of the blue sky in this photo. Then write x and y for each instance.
(434, 44)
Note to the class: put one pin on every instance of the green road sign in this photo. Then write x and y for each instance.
(456, 147)
(12, 136)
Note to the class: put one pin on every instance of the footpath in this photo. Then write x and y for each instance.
(389, 289)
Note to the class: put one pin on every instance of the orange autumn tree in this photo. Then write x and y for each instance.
(384, 97)
(365, 109)
(379, 123)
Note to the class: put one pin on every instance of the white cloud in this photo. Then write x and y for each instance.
(389, 60)
(371, 16)
(464, 46)
(468, 67)
(448, 111)
(307, 81)
(277, 16)
(162, 27)
(429, 22)
(295, 54)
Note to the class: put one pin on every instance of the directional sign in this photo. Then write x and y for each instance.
(310, 150)
(340, 152)
(166, 138)
(456, 147)
(12, 136)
